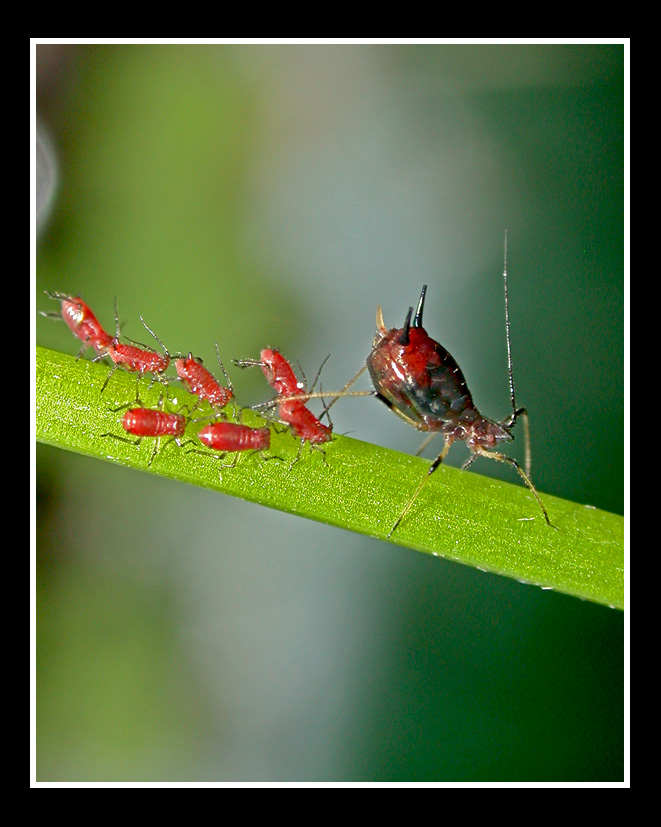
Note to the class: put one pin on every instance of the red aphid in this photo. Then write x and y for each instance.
(232, 437)
(292, 411)
(201, 382)
(137, 359)
(82, 322)
(134, 358)
(279, 373)
(303, 423)
(150, 422)
(281, 377)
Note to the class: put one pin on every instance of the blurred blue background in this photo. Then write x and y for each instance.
(273, 195)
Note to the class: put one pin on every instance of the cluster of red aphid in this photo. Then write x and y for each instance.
(413, 374)
(222, 436)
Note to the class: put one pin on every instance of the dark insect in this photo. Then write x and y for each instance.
(420, 381)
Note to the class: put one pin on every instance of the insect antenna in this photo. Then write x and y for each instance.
(163, 348)
(510, 372)
(345, 389)
(516, 412)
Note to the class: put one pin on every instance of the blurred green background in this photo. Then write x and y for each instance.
(273, 196)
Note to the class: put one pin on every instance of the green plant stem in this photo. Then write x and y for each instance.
(462, 516)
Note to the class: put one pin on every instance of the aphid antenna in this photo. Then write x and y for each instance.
(334, 395)
(230, 386)
(247, 363)
(314, 385)
(324, 413)
(213, 417)
(160, 405)
(316, 378)
(510, 371)
(133, 341)
(56, 296)
(303, 397)
(222, 367)
(117, 329)
(349, 384)
(510, 421)
(163, 348)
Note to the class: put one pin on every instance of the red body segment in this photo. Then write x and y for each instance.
(231, 437)
(149, 422)
(201, 382)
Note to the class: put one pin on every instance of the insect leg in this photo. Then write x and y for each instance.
(511, 421)
(439, 459)
(524, 476)
(123, 438)
(426, 442)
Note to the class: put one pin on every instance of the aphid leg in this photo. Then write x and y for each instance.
(299, 454)
(439, 459)
(83, 349)
(123, 438)
(325, 411)
(273, 456)
(483, 452)
(426, 442)
(229, 382)
(112, 370)
(135, 442)
(50, 314)
(509, 423)
(157, 445)
(214, 455)
(316, 378)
